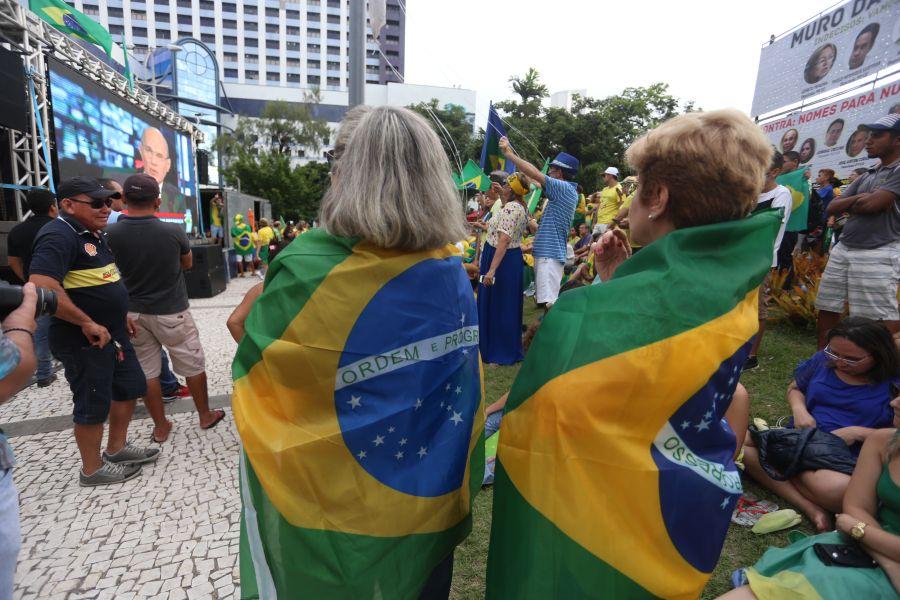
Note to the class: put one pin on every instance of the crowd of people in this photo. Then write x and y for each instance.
(123, 313)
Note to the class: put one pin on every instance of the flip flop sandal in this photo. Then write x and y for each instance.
(749, 509)
(221, 415)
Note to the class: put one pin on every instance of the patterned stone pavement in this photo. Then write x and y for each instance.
(170, 533)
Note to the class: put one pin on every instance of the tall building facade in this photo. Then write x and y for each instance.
(280, 43)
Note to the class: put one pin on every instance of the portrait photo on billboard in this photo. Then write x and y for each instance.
(833, 133)
(863, 44)
(789, 140)
(857, 143)
(820, 63)
(101, 135)
(807, 150)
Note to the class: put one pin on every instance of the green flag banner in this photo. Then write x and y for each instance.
(534, 196)
(628, 491)
(128, 75)
(70, 21)
(799, 188)
(472, 176)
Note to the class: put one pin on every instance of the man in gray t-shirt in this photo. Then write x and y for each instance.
(151, 255)
(864, 267)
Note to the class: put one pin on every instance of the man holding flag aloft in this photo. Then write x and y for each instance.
(550, 242)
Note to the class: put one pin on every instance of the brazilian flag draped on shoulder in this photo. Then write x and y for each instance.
(70, 21)
(358, 400)
(798, 185)
(492, 158)
(614, 475)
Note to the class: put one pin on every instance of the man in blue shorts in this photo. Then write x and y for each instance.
(89, 333)
(549, 248)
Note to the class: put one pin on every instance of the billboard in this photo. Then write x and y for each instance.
(102, 135)
(828, 137)
(852, 41)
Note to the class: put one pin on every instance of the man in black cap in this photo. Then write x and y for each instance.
(862, 267)
(42, 204)
(152, 255)
(89, 333)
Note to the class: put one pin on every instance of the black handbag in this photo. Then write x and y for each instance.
(785, 452)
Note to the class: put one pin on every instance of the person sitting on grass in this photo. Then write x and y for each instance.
(846, 390)
(871, 518)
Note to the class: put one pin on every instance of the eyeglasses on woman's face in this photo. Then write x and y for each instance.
(850, 361)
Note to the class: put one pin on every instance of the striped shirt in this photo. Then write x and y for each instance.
(550, 241)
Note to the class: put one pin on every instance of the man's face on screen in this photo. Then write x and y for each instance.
(155, 154)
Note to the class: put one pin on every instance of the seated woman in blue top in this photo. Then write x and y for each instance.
(845, 389)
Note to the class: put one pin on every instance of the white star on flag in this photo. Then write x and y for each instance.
(403, 442)
(449, 408)
(379, 440)
(390, 429)
(462, 319)
(422, 452)
(685, 424)
(354, 402)
(703, 424)
(708, 414)
(730, 381)
(465, 350)
(724, 504)
(361, 455)
(418, 403)
(447, 389)
(456, 418)
(399, 455)
(458, 390)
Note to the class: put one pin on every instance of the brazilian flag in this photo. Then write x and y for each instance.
(797, 183)
(70, 21)
(492, 159)
(614, 474)
(358, 400)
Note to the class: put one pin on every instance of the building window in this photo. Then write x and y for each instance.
(207, 22)
(229, 24)
(312, 64)
(272, 44)
(334, 66)
(91, 10)
(139, 32)
(293, 62)
(229, 8)
(230, 57)
(184, 19)
(295, 46)
(292, 30)
(273, 77)
(251, 75)
(118, 30)
(334, 19)
(184, 4)
(251, 59)
(162, 17)
(372, 69)
(313, 79)
(251, 43)
(229, 39)
(138, 15)
(392, 53)
(293, 78)
(208, 38)
(207, 5)
(393, 23)
(292, 14)
(185, 33)
(312, 17)
(334, 3)
(272, 12)
(112, 11)
(249, 9)
(334, 35)
(231, 73)
(270, 28)
(334, 81)
(313, 48)
(393, 38)
(272, 60)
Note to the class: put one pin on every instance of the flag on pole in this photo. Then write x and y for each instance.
(534, 196)
(70, 21)
(363, 445)
(128, 74)
(472, 176)
(492, 158)
(627, 491)
(799, 188)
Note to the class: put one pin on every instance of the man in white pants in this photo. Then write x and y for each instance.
(549, 248)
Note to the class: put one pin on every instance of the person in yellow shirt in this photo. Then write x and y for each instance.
(629, 187)
(216, 210)
(610, 203)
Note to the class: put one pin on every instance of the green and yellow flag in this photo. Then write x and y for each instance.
(473, 176)
(358, 400)
(798, 184)
(70, 21)
(614, 474)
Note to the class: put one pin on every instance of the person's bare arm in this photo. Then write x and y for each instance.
(530, 171)
(502, 244)
(15, 263)
(861, 204)
(21, 318)
(237, 318)
(497, 406)
(187, 260)
(861, 501)
(66, 310)
(797, 401)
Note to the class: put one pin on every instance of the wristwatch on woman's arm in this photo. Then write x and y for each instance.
(858, 531)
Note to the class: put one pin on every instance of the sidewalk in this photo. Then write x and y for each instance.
(170, 533)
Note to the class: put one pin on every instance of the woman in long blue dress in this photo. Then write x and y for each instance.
(500, 292)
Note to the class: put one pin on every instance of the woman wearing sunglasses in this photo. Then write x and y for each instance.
(845, 389)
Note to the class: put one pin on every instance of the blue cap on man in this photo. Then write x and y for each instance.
(889, 123)
(566, 163)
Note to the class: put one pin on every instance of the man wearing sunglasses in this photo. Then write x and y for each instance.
(90, 332)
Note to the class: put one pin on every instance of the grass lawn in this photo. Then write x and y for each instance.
(783, 347)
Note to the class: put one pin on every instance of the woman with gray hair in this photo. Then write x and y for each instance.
(357, 390)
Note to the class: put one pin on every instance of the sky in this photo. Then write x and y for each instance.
(707, 51)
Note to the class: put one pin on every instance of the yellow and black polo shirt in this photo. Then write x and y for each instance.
(84, 264)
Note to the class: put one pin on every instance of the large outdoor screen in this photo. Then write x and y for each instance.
(101, 135)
